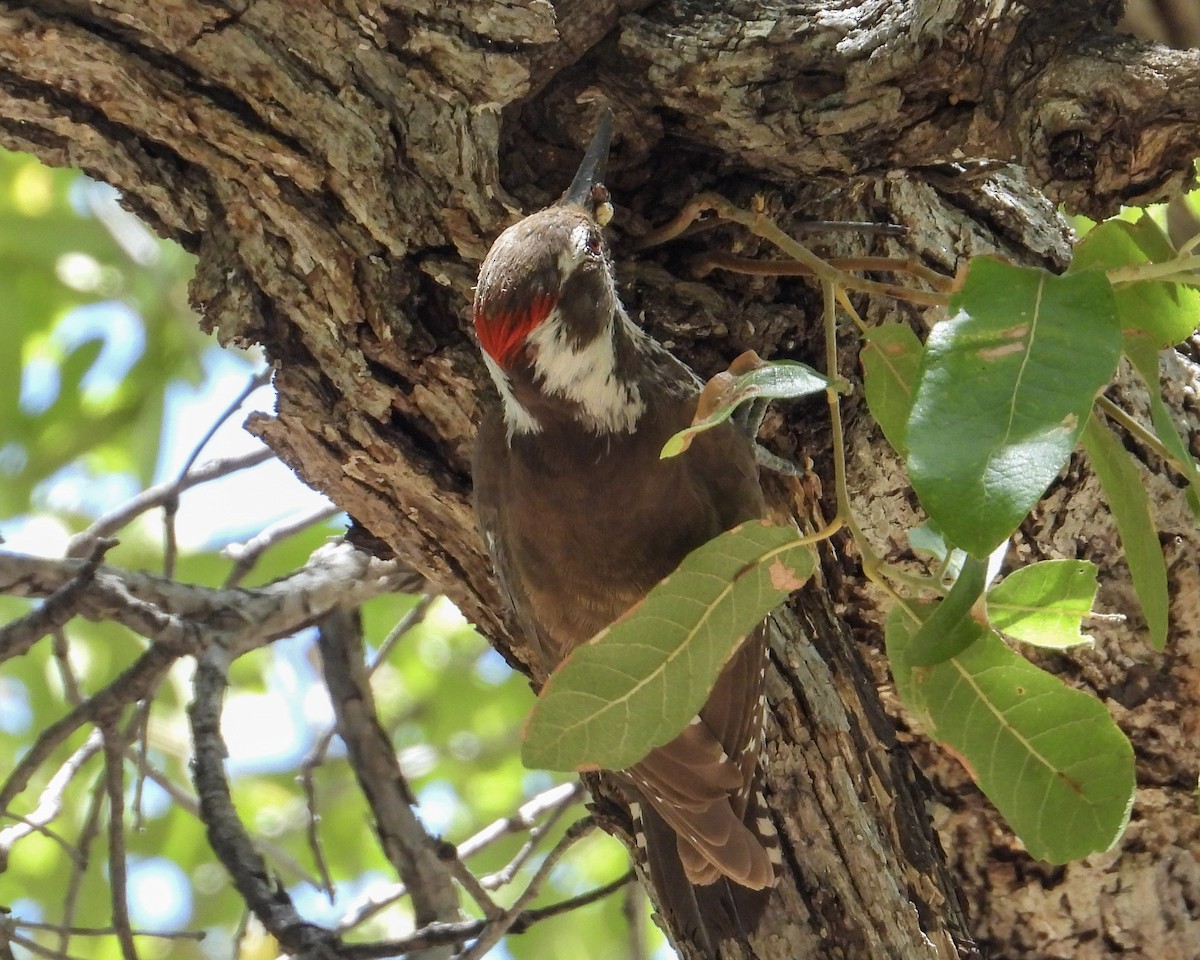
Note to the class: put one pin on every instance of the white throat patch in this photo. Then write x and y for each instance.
(588, 375)
(516, 417)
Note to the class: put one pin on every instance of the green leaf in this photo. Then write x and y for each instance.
(891, 360)
(1006, 386)
(639, 682)
(1144, 357)
(1130, 507)
(1049, 757)
(950, 628)
(1045, 603)
(1165, 311)
(773, 380)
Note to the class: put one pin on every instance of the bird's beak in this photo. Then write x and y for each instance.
(591, 170)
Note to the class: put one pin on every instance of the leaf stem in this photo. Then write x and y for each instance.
(849, 308)
(752, 266)
(1178, 268)
(1140, 432)
(763, 226)
(871, 562)
(915, 581)
(1189, 244)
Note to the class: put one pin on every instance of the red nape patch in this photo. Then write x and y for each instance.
(501, 333)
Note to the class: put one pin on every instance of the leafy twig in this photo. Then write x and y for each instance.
(762, 226)
(705, 263)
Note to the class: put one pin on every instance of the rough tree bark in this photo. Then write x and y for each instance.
(339, 169)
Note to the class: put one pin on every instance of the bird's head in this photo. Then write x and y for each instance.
(553, 265)
(546, 309)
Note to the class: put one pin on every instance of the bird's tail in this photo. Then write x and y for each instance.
(705, 913)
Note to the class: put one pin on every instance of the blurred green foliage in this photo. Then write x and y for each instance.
(77, 387)
(86, 390)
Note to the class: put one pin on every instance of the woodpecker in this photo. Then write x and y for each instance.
(582, 518)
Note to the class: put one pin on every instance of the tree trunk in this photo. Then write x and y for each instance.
(340, 169)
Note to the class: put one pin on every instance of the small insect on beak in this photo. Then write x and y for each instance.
(587, 189)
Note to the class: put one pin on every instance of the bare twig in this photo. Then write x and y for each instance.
(189, 804)
(114, 781)
(134, 683)
(170, 510)
(245, 555)
(410, 850)
(316, 755)
(142, 761)
(50, 803)
(36, 948)
(314, 759)
(35, 827)
(17, 637)
(553, 801)
(527, 815)
(185, 619)
(226, 835)
(171, 503)
(239, 935)
(66, 673)
(530, 917)
(259, 379)
(87, 833)
(106, 594)
(504, 876)
(336, 574)
(449, 933)
(7, 929)
(194, 935)
(411, 619)
(471, 884)
(81, 544)
(497, 928)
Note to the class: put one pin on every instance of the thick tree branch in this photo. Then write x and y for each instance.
(190, 617)
(1098, 119)
(61, 605)
(412, 852)
(269, 902)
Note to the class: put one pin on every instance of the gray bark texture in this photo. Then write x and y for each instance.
(341, 167)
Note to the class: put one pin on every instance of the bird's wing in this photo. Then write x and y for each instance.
(491, 477)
